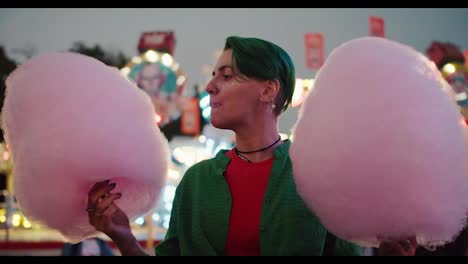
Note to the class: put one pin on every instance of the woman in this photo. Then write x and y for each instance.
(244, 200)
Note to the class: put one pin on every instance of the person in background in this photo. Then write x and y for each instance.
(88, 247)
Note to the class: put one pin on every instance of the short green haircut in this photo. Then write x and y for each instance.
(263, 60)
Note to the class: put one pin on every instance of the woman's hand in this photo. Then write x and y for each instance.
(108, 218)
(103, 213)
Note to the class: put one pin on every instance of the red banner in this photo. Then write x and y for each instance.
(163, 41)
(377, 26)
(314, 50)
(465, 53)
(190, 119)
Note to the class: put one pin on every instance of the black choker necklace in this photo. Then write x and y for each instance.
(242, 156)
(239, 153)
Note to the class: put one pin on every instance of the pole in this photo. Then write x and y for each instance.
(149, 224)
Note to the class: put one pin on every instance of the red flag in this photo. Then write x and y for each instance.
(314, 50)
(465, 53)
(190, 119)
(377, 26)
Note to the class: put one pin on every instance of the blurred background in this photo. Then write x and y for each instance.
(170, 54)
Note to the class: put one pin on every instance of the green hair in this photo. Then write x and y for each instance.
(263, 60)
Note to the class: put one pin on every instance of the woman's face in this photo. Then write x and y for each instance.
(233, 100)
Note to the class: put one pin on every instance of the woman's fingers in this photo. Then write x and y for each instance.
(104, 220)
(97, 185)
(97, 192)
(106, 201)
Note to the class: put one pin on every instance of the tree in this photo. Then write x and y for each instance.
(117, 60)
(28, 51)
(7, 66)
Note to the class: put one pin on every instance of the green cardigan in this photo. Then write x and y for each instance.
(202, 204)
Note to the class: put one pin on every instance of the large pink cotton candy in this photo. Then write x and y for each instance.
(71, 121)
(378, 149)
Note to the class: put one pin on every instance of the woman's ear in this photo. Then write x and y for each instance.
(269, 91)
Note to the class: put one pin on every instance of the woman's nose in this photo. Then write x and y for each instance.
(211, 87)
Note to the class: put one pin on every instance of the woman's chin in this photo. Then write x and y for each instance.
(217, 123)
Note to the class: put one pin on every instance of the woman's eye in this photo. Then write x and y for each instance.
(227, 77)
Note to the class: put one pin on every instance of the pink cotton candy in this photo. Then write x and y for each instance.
(71, 121)
(378, 149)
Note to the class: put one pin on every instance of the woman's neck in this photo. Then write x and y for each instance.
(257, 138)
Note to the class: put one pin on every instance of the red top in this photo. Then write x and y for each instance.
(247, 182)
